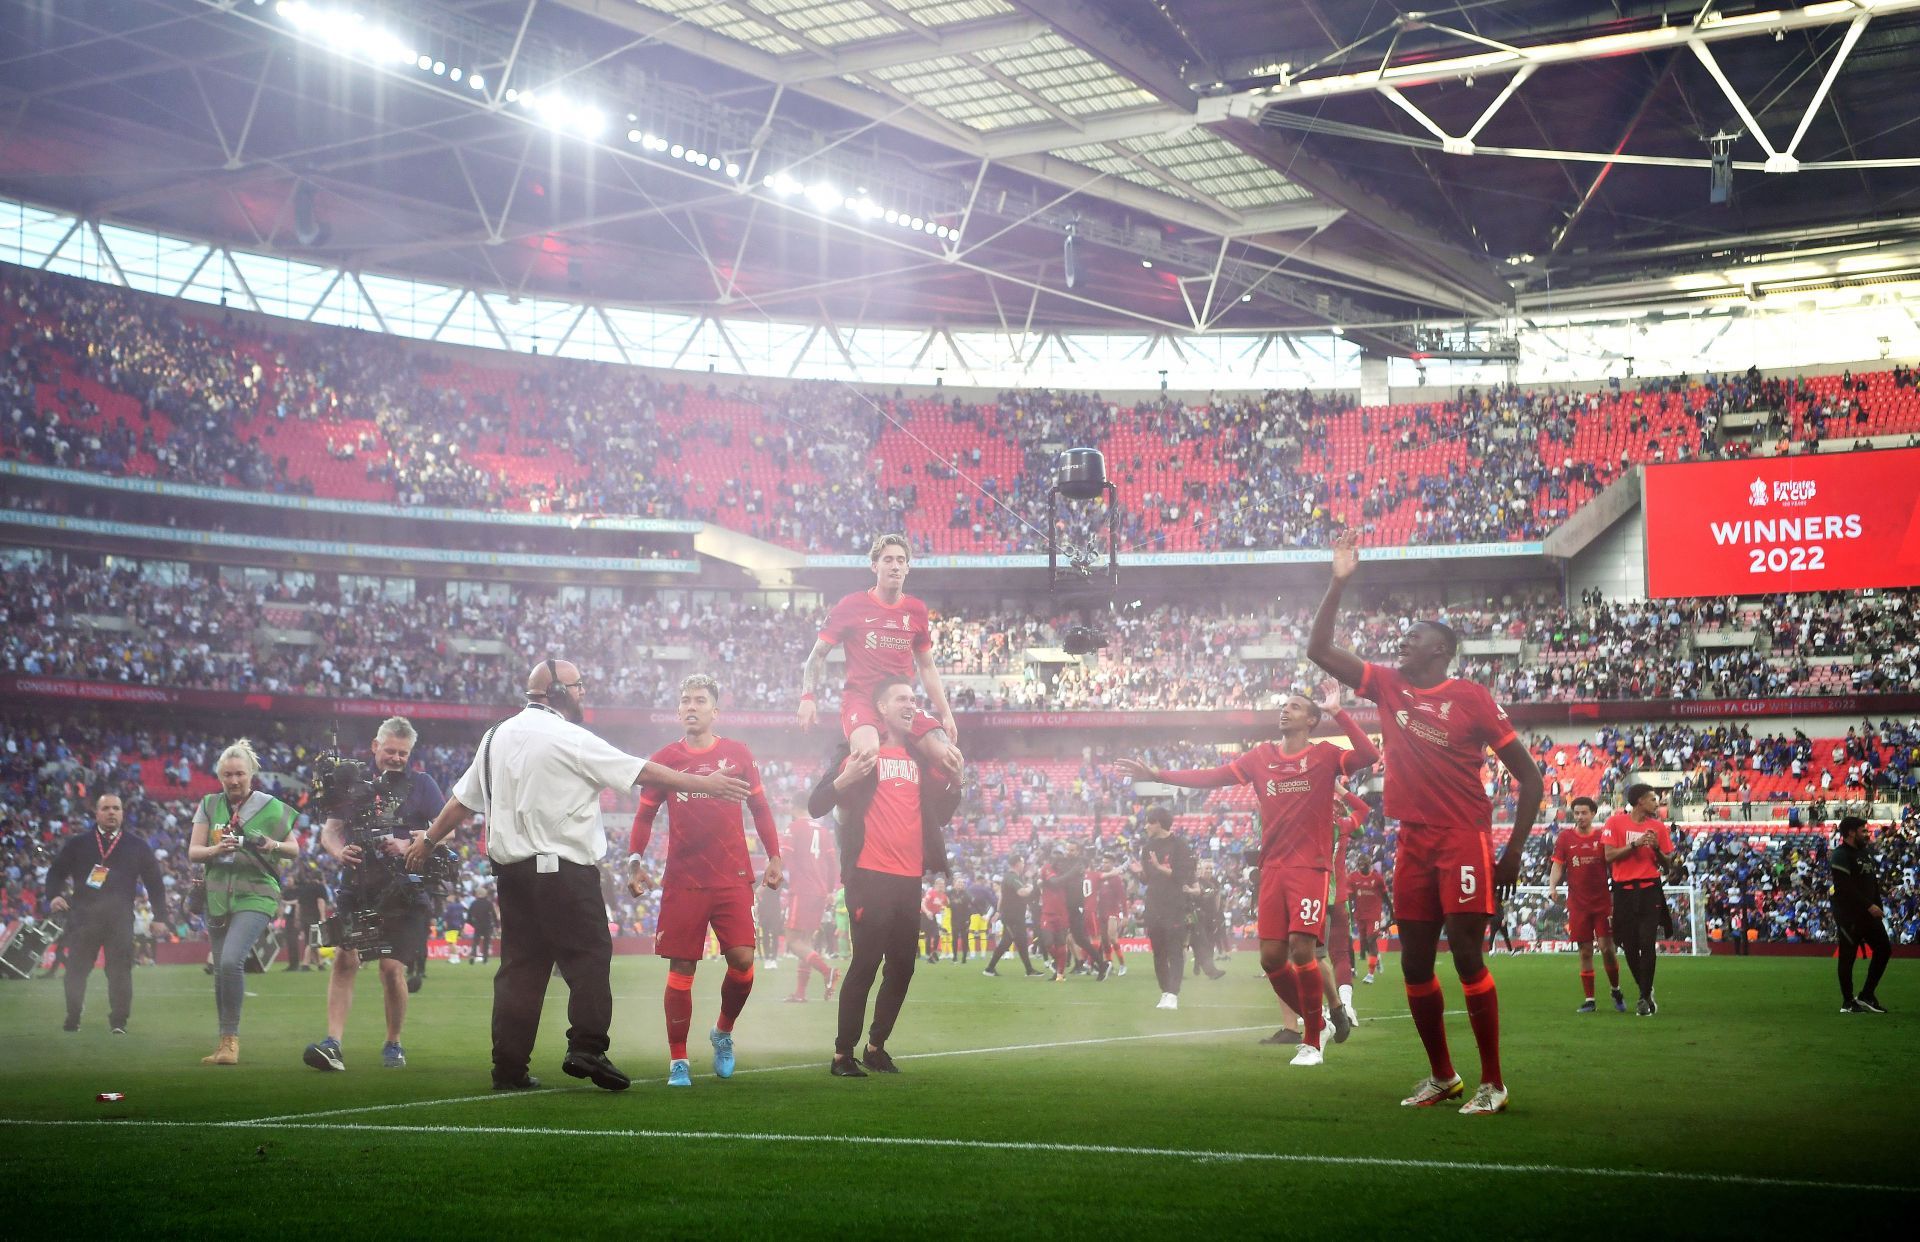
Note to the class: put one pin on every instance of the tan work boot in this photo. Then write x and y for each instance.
(228, 1053)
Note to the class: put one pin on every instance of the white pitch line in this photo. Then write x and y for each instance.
(382, 1108)
(1062, 1043)
(1094, 1149)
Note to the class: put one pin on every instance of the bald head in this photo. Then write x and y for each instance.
(541, 679)
(557, 683)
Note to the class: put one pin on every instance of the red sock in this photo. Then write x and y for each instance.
(820, 964)
(1308, 985)
(679, 1013)
(1586, 983)
(1483, 1011)
(1060, 960)
(734, 990)
(1613, 975)
(1429, 1005)
(800, 980)
(1373, 963)
(1285, 986)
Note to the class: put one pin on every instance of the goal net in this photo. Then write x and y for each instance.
(1543, 924)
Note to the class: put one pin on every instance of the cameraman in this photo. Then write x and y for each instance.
(405, 803)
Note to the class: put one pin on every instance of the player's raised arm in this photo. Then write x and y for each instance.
(1343, 664)
(1194, 778)
(813, 675)
(1526, 774)
(1364, 754)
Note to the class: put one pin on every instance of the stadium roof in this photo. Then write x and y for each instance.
(1279, 164)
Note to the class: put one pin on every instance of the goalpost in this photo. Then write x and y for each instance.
(1549, 920)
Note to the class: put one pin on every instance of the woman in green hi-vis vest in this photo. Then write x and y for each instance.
(241, 834)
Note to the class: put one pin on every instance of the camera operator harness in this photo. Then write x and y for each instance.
(369, 806)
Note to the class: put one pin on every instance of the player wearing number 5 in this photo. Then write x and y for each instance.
(1436, 731)
(1294, 781)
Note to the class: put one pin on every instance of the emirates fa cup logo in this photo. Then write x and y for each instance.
(1757, 493)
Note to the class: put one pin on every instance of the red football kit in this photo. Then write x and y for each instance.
(1297, 835)
(1093, 919)
(1583, 859)
(881, 641)
(813, 872)
(709, 876)
(1436, 739)
(1369, 889)
(1113, 897)
(1053, 898)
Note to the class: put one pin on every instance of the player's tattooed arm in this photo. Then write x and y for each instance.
(1340, 662)
(813, 678)
(1529, 788)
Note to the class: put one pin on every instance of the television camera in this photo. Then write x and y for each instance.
(368, 805)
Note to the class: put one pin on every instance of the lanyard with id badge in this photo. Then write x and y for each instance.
(97, 878)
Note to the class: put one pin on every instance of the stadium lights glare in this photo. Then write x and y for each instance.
(351, 33)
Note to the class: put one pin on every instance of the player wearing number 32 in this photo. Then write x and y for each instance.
(1294, 780)
(1436, 731)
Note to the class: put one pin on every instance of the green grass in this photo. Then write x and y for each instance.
(1748, 1071)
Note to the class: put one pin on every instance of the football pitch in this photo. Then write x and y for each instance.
(1023, 1108)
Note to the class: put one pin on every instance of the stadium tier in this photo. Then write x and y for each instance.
(117, 382)
(228, 630)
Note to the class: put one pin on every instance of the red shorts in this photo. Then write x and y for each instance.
(686, 913)
(1053, 922)
(1442, 871)
(856, 709)
(1589, 923)
(1293, 899)
(807, 909)
(1366, 920)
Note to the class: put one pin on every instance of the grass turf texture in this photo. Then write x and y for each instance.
(1747, 1072)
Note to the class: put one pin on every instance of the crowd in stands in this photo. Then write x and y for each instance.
(103, 379)
(114, 624)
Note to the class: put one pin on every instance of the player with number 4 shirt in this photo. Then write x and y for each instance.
(1436, 730)
(1294, 780)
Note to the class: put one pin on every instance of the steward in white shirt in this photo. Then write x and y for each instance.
(537, 778)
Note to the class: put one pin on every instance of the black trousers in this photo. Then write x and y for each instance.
(483, 942)
(296, 927)
(1012, 936)
(86, 935)
(1168, 936)
(883, 913)
(1636, 928)
(1870, 932)
(556, 919)
(1077, 928)
(1203, 940)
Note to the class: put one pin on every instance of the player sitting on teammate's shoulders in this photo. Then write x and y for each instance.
(886, 633)
(892, 809)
